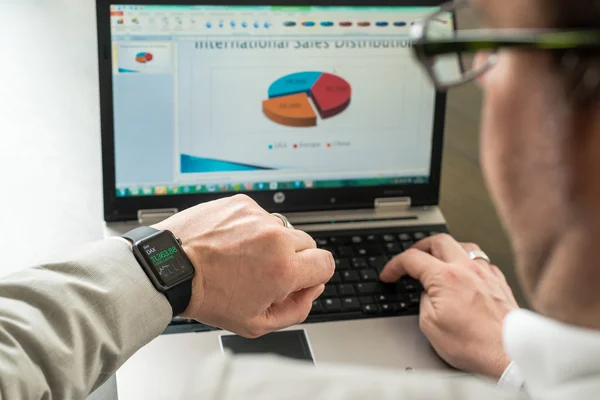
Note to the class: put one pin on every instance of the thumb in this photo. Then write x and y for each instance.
(294, 309)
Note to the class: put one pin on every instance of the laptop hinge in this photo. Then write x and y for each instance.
(151, 217)
(390, 204)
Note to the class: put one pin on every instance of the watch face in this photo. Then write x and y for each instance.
(166, 258)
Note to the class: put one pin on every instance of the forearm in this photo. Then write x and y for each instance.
(66, 327)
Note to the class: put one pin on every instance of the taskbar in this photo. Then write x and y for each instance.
(170, 190)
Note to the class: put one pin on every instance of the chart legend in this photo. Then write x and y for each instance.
(289, 98)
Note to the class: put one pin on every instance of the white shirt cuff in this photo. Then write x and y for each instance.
(512, 378)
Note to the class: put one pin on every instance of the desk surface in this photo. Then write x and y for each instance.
(50, 169)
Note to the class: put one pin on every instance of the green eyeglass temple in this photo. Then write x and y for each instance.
(497, 39)
(471, 41)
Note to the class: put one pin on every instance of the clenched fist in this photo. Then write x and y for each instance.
(253, 275)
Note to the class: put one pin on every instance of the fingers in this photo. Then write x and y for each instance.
(416, 263)
(473, 247)
(302, 240)
(312, 267)
(470, 247)
(280, 219)
(443, 247)
(503, 283)
(294, 309)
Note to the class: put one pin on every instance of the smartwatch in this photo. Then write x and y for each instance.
(162, 258)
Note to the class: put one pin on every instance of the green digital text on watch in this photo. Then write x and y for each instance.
(162, 258)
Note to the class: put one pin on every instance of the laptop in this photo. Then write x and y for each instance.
(317, 111)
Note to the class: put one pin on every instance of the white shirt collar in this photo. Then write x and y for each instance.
(554, 358)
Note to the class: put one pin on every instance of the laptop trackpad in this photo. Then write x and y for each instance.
(293, 344)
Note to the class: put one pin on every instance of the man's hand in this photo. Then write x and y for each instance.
(253, 276)
(464, 303)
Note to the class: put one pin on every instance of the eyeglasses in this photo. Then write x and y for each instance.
(454, 49)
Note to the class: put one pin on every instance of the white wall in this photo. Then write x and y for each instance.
(50, 165)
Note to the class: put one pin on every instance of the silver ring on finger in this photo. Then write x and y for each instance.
(286, 222)
(479, 255)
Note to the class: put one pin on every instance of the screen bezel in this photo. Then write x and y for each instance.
(126, 208)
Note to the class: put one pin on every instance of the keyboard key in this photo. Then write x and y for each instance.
(330, 291)
(372, 239)
(369, 309)
(394, 248)
(330, 249)
(389, 238)
(369, 250)
(340, 240)
(420, 235)
(410, 285)
(345, 251)
(350, 276)
(336, 278)
(389, 288)
(368, 275)
(321, 242)
(365, 299)
(350, 304)
(386, 298)
(357, 239)
(317, 307)
(342, 264)
(414, 299)
(405, 236)
(434, 233)
(378, 262)
(368, 288)
(386, 308)
(361, 251)
(346, 290)
(407, 244)
(333, 305)
(400, 306)
(359, 263)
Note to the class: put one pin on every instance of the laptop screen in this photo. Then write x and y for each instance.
(240, 99)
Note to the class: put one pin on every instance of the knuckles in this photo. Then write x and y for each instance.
(329, 263)
(442, 237)
(242, 199)
(254, 331)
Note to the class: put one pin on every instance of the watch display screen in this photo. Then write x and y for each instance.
(166, 258)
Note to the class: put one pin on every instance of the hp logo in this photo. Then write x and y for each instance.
(279, 198)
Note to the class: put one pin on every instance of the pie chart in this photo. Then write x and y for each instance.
(290, 96)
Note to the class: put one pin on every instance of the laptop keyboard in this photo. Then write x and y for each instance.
(355, 291)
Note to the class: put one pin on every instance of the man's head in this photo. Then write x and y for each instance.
(541, 138)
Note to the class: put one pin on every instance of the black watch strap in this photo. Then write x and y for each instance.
(140, 233)
(179, 297)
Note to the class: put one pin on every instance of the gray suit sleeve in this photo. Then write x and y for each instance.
(66, 327)
(271, 378)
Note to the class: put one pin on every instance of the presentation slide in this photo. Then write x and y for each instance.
(143, 57)
(260, 94)
(298, 104)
